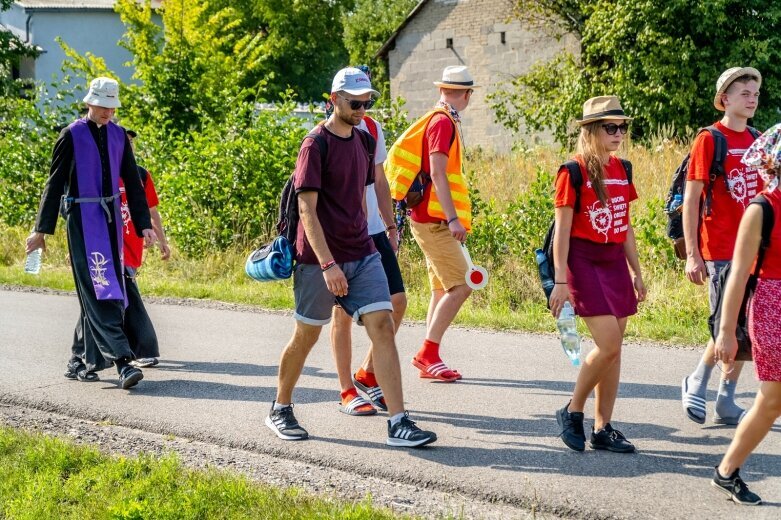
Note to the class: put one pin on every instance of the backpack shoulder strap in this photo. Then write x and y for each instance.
(719, 151)
(627, 169)
(576, 179)
(371, 126)
(322, 144)
(768, 219)
(754, 132)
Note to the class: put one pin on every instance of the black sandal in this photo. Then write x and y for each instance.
(87, 377)
(73, 369)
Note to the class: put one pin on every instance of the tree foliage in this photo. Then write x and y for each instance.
(12, 50)
(298, 43)
(661, 57)
(367, 27)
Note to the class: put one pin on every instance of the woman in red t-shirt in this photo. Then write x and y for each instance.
(764, 327)
(594, 248)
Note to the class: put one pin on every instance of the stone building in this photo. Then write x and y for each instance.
(481, 34)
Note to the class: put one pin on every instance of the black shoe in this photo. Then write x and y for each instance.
(734, 487)
(571, 424)
(72, 369)
(284, 424)
(611, 440)
(129, 377)
(406, 435)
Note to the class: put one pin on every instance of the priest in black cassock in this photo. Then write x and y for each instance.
(89, 158)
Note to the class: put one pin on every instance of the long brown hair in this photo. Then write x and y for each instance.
(593, 153)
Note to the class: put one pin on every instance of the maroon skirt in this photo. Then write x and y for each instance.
(599, 280)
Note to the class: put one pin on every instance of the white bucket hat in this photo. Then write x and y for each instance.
(353, 81)
(456, 77)
(103, 92)
(727, 78)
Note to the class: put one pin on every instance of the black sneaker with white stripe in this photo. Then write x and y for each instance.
(735, 489)
(284, 424)
(406, 435)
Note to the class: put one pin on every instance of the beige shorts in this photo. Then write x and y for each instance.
(445, 261)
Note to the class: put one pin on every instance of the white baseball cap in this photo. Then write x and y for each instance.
(353, 81)
(103, 92)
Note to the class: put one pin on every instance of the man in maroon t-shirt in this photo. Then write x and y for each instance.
(337, 261)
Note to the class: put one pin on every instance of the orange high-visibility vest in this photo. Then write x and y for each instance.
(404, 163)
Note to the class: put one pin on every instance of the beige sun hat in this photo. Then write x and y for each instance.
(456, 77)
(600, 108)
(726, 79)
(103, 92)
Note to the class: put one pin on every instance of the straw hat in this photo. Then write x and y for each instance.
(103, 92)
(456, 77)
(726, 79)
(600, 108)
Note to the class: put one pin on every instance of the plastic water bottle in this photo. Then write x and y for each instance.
(676, 203)
(33, 263)
(570, 341)
(546, 277)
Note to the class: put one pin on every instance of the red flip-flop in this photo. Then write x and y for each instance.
(438, 371)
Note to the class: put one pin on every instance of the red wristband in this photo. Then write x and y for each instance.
(326, 266)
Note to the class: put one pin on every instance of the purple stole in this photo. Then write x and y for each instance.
(94, 219)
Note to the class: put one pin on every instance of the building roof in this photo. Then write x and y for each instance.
(74, 4)
(388, 45)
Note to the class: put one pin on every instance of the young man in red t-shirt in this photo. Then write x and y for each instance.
(710, 234)
(138, 326)
(440, 235)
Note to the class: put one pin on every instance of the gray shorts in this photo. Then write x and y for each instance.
(714, 267)
(367, 291)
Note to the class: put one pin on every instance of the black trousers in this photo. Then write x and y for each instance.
(104, 340)
(137, 326)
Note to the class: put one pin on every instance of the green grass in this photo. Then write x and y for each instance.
(48, 478)
(512, 300)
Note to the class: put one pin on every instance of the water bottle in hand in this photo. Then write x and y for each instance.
(570, 341)
(33, 263)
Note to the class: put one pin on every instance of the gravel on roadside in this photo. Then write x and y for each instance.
(403, 498)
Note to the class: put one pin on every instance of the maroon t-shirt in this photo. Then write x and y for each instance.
(340, 196)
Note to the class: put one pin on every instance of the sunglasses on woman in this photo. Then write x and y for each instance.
(612, 128)
(356, 105)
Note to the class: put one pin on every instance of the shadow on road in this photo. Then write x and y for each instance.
(635, 390)
(538, 458)
(234, 368)
(188, 389)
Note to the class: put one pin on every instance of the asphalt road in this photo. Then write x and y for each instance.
(497, 432)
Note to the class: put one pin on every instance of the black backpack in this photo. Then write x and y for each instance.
(576, 179)
(744, 342)
(674, 207)
(287, 220)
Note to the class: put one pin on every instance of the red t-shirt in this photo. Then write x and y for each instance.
(771, 264)
(340, 192)
(133, 244)
(719, 230)
(595, 222)
(438, 137)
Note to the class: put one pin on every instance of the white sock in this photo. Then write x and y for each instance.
(278, 406)
(396, 418)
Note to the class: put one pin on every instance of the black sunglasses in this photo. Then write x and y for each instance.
(612, 128)
(356, 105)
